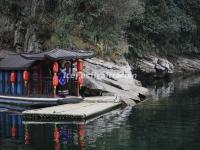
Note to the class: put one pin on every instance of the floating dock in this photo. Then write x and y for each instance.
(77, 111)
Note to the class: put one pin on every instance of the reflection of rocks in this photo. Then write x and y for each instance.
(107, 123)
(113, 78)
(162, 91)
(165, 89)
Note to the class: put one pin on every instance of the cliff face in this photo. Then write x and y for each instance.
(24, 24)
(34, 25)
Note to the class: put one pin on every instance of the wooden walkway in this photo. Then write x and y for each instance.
(77, 111)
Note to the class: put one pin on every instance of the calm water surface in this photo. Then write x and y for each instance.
(168, 121)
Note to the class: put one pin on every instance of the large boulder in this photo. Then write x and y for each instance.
(115, 78)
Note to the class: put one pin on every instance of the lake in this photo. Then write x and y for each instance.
(169, 120)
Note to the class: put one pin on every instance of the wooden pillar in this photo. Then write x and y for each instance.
(77, 83)
(78, 89)
(19, 83)
(71, 67)
(1, 82)
(41, 81)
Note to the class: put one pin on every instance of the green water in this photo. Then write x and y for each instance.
(168, 121)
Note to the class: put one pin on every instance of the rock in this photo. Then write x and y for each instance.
(164, 63)
(19, 37)
(115, 78)
(21, 29)
(153, 65)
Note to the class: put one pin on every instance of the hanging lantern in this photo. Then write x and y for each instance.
(55, 67)
(56, 135)
(80, 78)
(26, 75)
(55, 81)
(13, 77)
(80, 65)
(13, 131)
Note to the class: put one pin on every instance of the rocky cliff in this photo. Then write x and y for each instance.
(155, 66)
(29, 25)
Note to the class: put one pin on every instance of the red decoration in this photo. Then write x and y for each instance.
(13, 77)
(26, 75)
(81, 131)
(27, 136)
(56, 135)
(80, 78)
(81, 136)
(14, 131)
(55, 67)
(55, 80)
(80, 65)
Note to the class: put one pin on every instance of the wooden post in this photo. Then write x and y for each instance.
(78, 89)
(28, 88)
(41, 81)
(1, 82)
(71, 67)
(54, 91)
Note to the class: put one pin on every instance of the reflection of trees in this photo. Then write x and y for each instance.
(170, 123)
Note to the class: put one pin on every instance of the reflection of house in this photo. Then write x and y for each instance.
(46, 74)
(11, 125)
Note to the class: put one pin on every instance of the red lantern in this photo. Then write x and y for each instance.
(13, 77)
(26, 75)
(55, 81)
(56, 135)
(80, 78)
(55, 67)
(80, 65)
(14, 131)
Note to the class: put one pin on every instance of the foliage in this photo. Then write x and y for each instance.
(109, 26)
(165, 27)
(98, 22)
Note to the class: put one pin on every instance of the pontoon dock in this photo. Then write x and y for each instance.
(77, 111)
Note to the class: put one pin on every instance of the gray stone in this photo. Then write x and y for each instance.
(113, 78)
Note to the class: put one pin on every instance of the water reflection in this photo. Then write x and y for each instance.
(11, 124)
(172, 122)
(14, 133)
